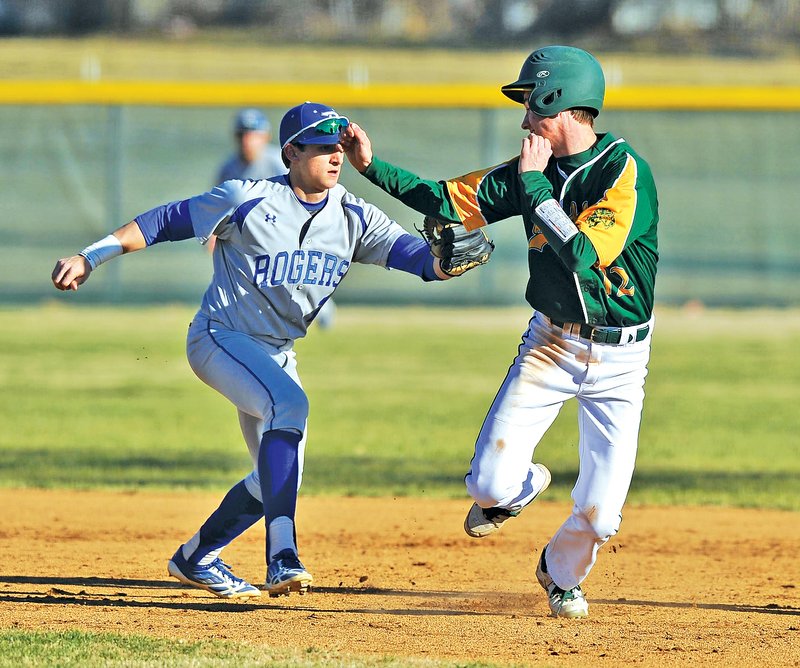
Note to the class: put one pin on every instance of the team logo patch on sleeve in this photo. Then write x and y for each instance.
(602, 217)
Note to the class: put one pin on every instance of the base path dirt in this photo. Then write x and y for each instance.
(398, 577)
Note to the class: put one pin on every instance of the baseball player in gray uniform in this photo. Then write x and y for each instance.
(283, 247)
(256, 157)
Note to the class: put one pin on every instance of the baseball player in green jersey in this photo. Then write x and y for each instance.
(590, 211)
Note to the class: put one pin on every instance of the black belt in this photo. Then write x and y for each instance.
(609, 335)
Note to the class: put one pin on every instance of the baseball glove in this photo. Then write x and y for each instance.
(457, 249)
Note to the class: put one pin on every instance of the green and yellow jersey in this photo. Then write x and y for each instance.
(604, 273)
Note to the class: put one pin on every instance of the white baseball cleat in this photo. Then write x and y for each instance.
(569, 603)
(481, 522)
(285, 574)
(215, 577)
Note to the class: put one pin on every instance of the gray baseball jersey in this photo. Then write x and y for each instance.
(275, 263)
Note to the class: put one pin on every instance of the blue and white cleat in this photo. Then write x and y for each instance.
(214, 577)
(285, 573)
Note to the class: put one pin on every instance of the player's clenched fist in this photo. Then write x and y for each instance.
(71, 272)
(536, 152)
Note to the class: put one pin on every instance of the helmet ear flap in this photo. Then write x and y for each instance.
(544, 103)
(551, 98)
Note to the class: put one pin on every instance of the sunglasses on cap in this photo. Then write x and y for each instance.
(326, 126)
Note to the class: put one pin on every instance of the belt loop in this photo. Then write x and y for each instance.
(628, 335)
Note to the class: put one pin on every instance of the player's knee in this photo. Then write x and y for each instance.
(601, 523)
(488, 491)
(290, 412)
(253, 485)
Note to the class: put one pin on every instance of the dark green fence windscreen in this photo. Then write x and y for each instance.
(728, 189)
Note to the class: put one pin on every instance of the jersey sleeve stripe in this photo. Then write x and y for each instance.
(242, 210)
(463, 192)
(609, 222)
(359, 211)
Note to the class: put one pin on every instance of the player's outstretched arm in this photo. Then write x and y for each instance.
(357, 146)
(71, 272)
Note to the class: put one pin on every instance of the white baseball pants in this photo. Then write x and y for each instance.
(554, 364)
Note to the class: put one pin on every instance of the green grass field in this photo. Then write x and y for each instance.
(103, 397)
(77, 649)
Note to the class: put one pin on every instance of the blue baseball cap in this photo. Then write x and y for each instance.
(251, 120)
(312, 123)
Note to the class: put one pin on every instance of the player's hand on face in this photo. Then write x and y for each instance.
(357, 146)
(70, 272)
(535, 154)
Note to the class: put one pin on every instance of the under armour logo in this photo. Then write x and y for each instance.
(271, 218)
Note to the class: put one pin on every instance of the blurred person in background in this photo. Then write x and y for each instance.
(590, 211)
(255, 157)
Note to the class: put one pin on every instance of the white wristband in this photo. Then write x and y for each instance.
(552, 215)
(102, 251)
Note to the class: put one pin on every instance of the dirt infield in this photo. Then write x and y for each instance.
(398, 577)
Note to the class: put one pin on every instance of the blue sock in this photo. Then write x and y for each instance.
(237, 513)
(278, 467)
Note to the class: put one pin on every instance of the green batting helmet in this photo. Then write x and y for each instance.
(559, 78)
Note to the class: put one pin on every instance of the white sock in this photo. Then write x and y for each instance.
(192, 544)
(211, 556)
(281, 536)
